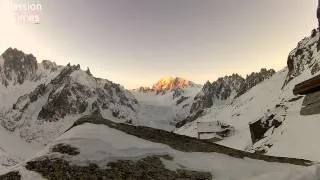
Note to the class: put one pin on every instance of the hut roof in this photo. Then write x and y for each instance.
(308, 86)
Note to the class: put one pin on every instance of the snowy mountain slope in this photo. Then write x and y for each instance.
(297, 136)
(94, 150)
(163, 110)
(223, 91)
(167, 85)
(47, 99)
(49, 109)
(20, 73)
(242, 110)
(155, 110)
(11, 151)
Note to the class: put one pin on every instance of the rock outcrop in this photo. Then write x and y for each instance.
(226, 88)
(17, 66)
(221, 89)
(73, 91)
(304, 57)
(255, 78)
(61, 92)
(263, 129)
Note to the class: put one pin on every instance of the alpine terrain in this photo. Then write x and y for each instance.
(62, 122)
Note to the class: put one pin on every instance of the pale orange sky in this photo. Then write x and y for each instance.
(136, 42)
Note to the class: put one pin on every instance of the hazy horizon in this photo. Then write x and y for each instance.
(135, 43)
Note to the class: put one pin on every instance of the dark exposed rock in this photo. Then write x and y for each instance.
(313, 33)
(303, 57)
(144, 89)
(177, 93)
(185, 105)
(190, 118)
(181, 99)
(315, 68)
(257, 130)
(203, 99)
(24, 101)
(70, 100)
(39, 91)
(268, 123)
(295, 99)
(17, 66)
(48, 65)
(65, 149)
(71, 92)
(255, 78)
(88, 72)
(146, 168)
(115, 113)
(218, 90)
(223, 88)
(70, 97)
(14, 175)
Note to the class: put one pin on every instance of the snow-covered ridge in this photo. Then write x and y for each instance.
(56, 96)
(16, 68)
(272, 102)
(20, 74)
(169, 84)
(228, 87)
(95, 146)
(223, 91)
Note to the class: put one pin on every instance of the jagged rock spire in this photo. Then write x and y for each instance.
(88, 71)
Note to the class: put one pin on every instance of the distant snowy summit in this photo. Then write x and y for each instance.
(168, 84)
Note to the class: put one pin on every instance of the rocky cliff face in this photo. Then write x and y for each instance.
(73, 91)
(221, 89)
(16, 68)
(228, 87)
(67, 93)
(255, 78)
(304, 57)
